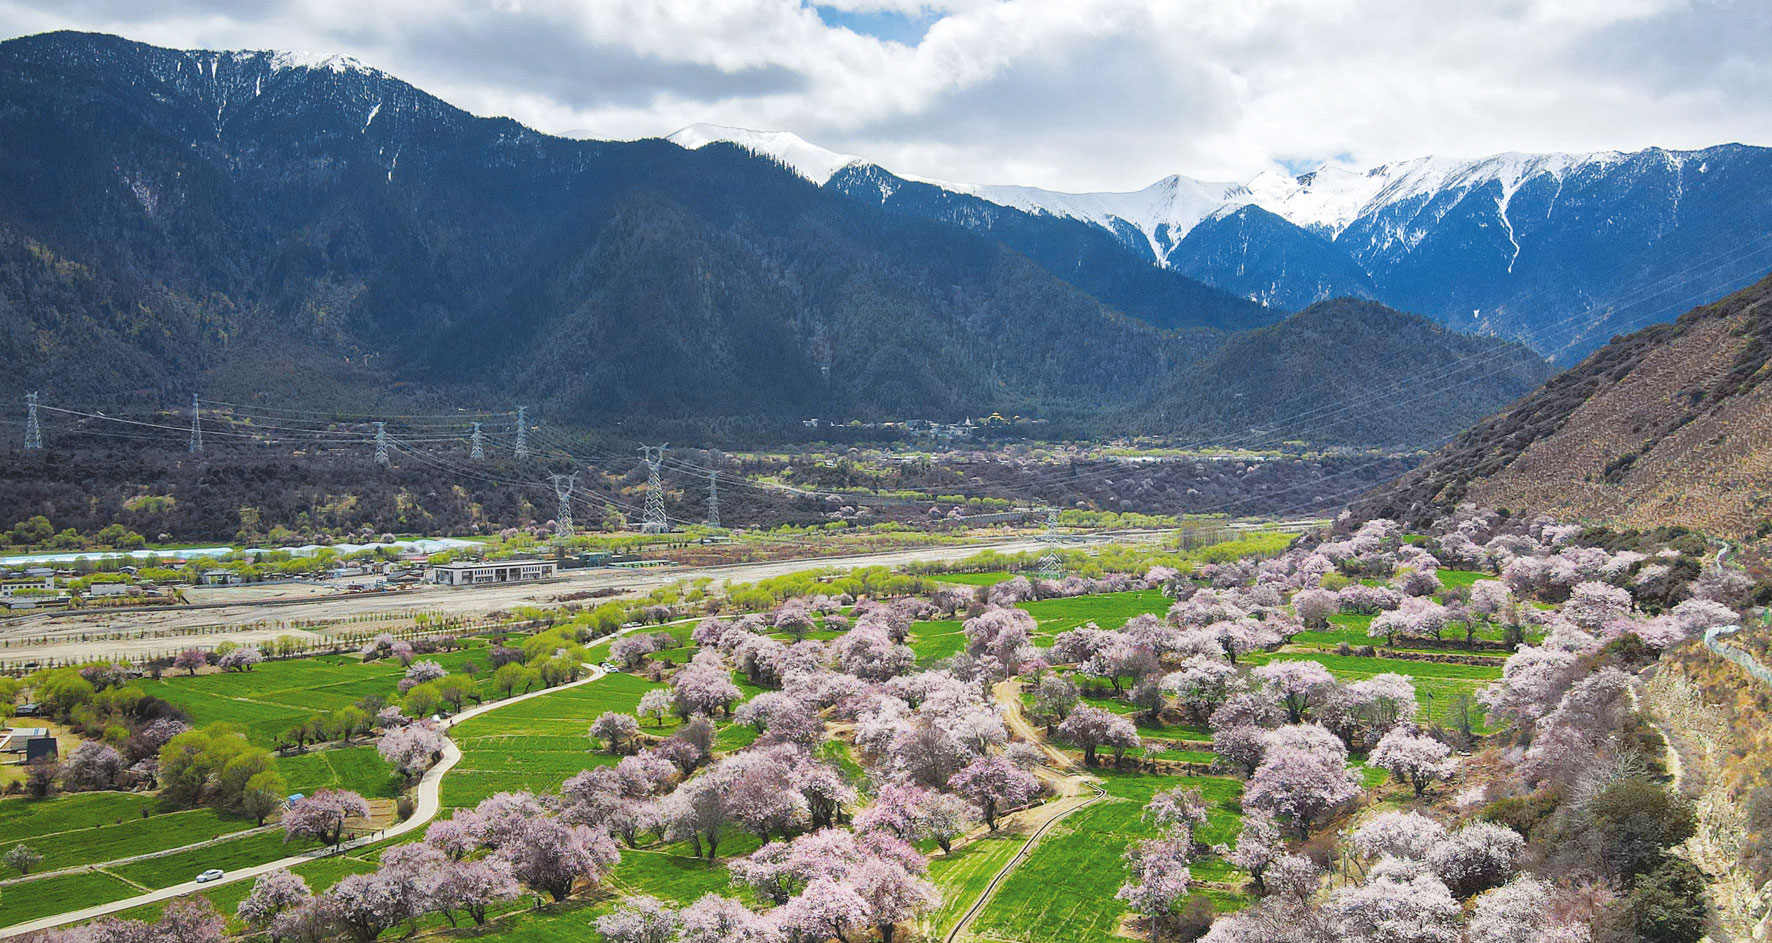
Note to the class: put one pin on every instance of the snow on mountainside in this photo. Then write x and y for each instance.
(806, 159)
(1325, 201)
(1561, 251)
(1163, 212)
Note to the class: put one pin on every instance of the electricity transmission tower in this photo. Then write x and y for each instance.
(654, 521)
(477, 448)
(522, 433)
(33, 431)
(563, 490)
(1050, 564)
(713, 499)
(381, 443)
(196, 426)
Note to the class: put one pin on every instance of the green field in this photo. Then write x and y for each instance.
(963, 875)
(933, 641)
(22, 819)
(1452, 579)
(176, 868)
(974, 579)
(1437, 685)
(30, 901)
(1109, 611)
(110, 840)
(321, 873)
(540, 743)
(275, 695)
(359, 769)
(1064, 891)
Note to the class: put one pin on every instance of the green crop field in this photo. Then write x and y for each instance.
(1109, 610)
(182, 866)
(974, 579)
(1437, 686)
(1064, 891)
(1355, 665)
(277, 694)
(108, 841)
(540, 743)
(22, 819)
(963, 875)
(321, 873)
(1350, 628)
(933, 641)
(35, 899)
(359, 769)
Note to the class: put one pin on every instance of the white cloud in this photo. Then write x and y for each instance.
(1068, 94)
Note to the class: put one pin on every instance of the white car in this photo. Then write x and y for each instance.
(213, 874)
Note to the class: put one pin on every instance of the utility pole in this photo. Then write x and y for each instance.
(563, 490)
(196, 426)
(1051, 565)
(33, 431)
(654, 521)
(381, 443)
(713, 499)
(522, 434)
(477, 450)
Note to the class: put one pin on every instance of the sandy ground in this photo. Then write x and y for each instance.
(258, 592)
(69, 636)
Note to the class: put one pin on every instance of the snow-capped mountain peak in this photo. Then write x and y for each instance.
(806, 159)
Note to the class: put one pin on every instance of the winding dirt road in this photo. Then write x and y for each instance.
(1044, 817)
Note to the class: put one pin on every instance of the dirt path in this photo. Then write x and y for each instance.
(1077, 790)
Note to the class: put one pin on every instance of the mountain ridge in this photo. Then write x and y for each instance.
(1561, 251)
(267, 231)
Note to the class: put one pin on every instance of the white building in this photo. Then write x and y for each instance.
(10, 586)
(468, 573)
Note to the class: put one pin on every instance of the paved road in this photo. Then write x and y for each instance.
(430, 801)
(466, 600)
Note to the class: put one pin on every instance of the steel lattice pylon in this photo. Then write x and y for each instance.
(33, 431)
(654, 521)
(477, 445)
(196, 426)
(1051, 565)
(381, 443)
(522, 433)
(713, 499)
(563, 485)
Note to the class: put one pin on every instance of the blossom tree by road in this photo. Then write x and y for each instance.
(993, 783)
(322, 815)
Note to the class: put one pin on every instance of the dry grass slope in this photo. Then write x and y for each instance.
(1670, 425)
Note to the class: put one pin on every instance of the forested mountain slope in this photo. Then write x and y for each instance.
(1670, 425)
(270, 229)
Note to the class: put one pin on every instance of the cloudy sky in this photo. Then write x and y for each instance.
(1065, 94)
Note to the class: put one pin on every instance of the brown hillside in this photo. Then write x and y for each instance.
(1670, 425)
